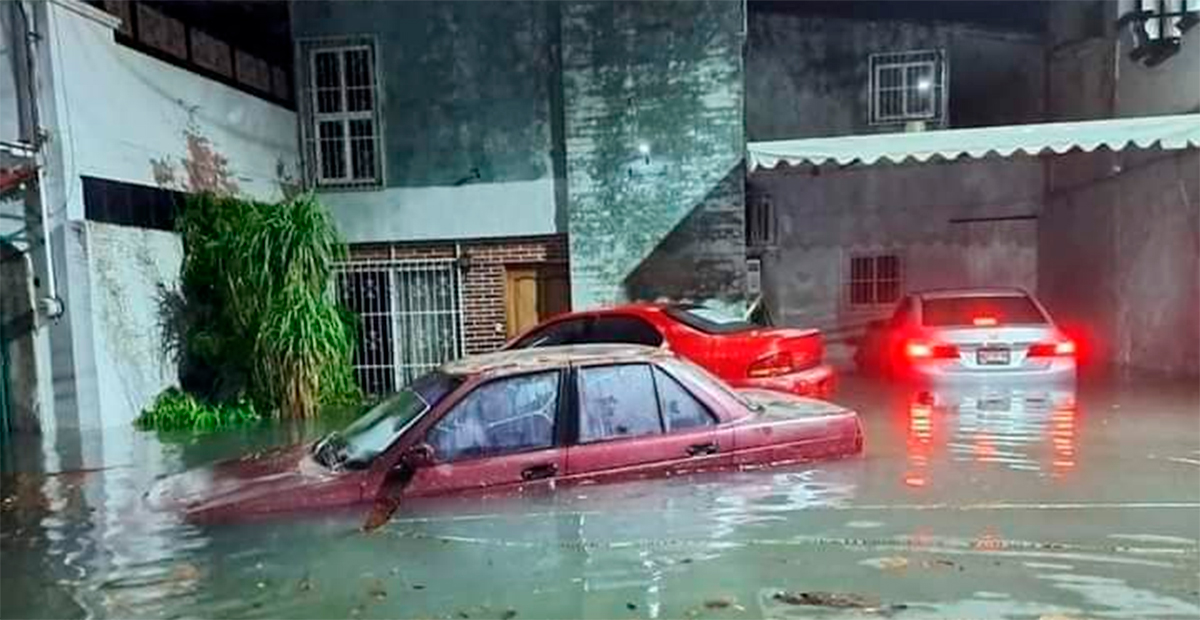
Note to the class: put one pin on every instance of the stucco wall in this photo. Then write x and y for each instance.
(1119, 250)
(131, 269)
(470, 103)
(666, 77)
(825, 217)
(808, 76)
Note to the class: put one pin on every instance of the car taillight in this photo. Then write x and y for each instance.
(924, 350)
(1052, 349)
(984, 321)
(772, 365)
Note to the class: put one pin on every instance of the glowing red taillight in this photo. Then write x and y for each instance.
(984, 321)
(773, 365)
(923, 350)
(1052, 349)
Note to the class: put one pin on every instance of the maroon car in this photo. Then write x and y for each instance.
(520, 419)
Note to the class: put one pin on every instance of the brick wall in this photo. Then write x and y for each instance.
(654, 144)
(484, 277)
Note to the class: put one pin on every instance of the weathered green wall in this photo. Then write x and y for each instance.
(466, 85)
(667, 75)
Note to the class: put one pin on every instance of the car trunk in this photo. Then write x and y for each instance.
(994, 347)
(769, 352)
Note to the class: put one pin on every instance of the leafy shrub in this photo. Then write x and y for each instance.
(176, 409)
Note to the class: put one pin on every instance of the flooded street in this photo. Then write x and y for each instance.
(1017, 505)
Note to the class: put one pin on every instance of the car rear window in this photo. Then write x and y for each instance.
(980, 311)
(708, 320)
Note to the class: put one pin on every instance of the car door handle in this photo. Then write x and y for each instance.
(538, 472)
(702, 449)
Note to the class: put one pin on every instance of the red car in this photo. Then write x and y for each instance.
(740, 352)
(516, 420)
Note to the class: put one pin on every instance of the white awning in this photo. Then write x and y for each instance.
(1166, 132)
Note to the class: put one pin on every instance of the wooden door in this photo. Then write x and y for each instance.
(533, 294)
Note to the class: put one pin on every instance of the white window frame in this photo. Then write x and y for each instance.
(312, 48)
(934, 61)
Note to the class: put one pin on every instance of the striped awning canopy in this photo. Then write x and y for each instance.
(1165, 132)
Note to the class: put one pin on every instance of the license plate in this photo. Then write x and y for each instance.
(992, 357)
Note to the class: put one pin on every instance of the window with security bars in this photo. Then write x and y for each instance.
(874, 280)
(342, 110)
(760, 221)
(907, 86)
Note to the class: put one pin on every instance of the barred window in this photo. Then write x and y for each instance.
(342, 110)
(874, 280)
(760, 221)
(907, 86)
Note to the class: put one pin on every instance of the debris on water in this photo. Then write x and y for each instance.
(464, 615)
(305, 584)
(185, 571)
(418, 586)
(939, 562)
(508, 614)
(686, 561)
(723, 602)
(377, 591)
(261, 585)
(890, 563)
(631, 606)
(395, 570)
(827, 599)
(356, 611)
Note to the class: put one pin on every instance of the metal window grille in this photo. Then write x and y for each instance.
(907, 86)
(760, 221)
(410, 318)
(874, 280)
(341, 108)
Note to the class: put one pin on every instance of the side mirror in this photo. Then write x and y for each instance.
(417, 456)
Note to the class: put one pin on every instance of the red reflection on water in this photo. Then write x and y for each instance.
(1062, 434)
(919, 441)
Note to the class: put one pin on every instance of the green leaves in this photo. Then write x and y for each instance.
(175, 409)
(258, 318)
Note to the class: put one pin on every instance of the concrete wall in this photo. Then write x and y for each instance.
(155, 124)
(1119, 250)
(669, 220)
(825, 216)
(808, 76)
(471, 106)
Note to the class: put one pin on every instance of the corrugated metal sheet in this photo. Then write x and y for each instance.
(1166, 132)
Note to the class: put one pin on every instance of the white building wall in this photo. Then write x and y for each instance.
(118, 114)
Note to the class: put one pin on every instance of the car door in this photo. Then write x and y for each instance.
(634, 420)
(501, 434)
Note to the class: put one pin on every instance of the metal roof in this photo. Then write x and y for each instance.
(1166, 132)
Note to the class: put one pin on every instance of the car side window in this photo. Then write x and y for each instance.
(624, 330)
(569, 331)
(616, 402)
(508, 415)
(681, 411)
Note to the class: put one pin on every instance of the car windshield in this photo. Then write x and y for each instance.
(709, 320)
(368, 436)
(981, 311)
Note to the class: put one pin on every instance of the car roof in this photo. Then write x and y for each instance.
(550, 358)
(995, 291)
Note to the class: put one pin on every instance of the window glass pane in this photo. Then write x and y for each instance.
(566, 332)
(617, 401)
(500, 417)
(331, 141)
(359, 81)
(327, 82)
(962, 311)
(681, 410)
(362, 148)
(625, 330)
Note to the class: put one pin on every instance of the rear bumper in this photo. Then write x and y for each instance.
(817, 382)
(1060, 372)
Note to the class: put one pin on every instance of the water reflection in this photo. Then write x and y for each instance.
(1019, 430)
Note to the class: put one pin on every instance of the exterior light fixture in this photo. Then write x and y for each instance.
(1158, 27)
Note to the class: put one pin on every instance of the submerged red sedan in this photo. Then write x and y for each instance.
(742, 353)
(514, 420)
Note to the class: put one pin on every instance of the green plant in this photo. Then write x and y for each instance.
(176, 409)
(256, 316)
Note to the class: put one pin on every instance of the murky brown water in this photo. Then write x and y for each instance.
(1012, 505)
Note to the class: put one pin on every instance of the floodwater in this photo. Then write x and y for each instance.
(1022, 504)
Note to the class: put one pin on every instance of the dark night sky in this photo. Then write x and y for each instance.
(1026, 15)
